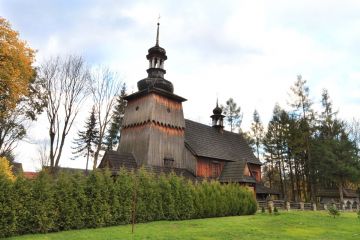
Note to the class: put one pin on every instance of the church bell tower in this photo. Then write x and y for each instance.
(153, 126)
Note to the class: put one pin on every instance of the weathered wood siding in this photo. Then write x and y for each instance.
(246, 170)
(256, 171)
(165, 142)
(135, 140)
(190, 161)
(208, 167)
(153, 129)
(156, 108)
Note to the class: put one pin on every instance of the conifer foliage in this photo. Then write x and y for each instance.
(305, 150)
(73, 201)
(87, 139)
(113, 133)
(233, 114)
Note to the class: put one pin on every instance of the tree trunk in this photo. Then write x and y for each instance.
(281, 180)
(291, 179)
(87, 161)
(284, 181)
(341, 194)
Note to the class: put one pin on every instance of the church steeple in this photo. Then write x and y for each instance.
(157, 35)
(217, 117)
(156, 57)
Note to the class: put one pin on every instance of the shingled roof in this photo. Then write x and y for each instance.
(261, 189)
(233, 172)
(335, 193)
(115, 160)
(166, 170)
(206, 141)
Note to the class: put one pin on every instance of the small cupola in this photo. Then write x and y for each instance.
(156, 57)
(217, 117)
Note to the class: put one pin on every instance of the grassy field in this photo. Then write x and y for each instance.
(287, 225)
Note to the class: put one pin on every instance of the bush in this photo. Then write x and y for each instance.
(74, 201)
(358, 213)
(42, 208)
(23, 200)
(7, 211)
(97, 208)
(276, 211)
(333, 211)
(123, 189)
(262, 209)
(70, 202)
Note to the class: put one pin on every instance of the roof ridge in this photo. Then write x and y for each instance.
(226, 131)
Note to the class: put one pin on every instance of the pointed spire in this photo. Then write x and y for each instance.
(157, 33)
(217, 102)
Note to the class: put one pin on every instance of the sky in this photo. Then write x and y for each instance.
(250, 50)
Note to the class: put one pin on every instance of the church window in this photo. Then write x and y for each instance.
(168, 110)
(137, 108)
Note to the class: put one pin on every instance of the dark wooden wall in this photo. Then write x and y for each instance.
(208, 167)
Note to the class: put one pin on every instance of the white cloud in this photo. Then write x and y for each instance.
(249, 50)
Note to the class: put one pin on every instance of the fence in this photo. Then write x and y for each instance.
(281, 204)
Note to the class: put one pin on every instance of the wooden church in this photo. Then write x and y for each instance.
(155, 135)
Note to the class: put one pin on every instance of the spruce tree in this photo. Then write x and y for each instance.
(87, 140)
(113, 133)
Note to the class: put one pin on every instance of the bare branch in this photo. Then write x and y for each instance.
(104, 89)
(66, 82)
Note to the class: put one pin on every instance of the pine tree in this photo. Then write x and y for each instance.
(87, 139)
(256, 133)
(233, 114)
(302, 109)
(334, 151)
(275, 146)
(113, 134)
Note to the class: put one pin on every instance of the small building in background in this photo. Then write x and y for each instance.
(329, 196)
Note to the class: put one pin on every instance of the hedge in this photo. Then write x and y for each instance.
(73, 201)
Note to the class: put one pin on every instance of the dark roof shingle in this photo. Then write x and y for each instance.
(233, 172)
(167, 170)
(335, 193)
(115, 160)
(260, 188)
(207, 141)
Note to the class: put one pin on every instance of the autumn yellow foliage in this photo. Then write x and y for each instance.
(16, 70)
(6, 169)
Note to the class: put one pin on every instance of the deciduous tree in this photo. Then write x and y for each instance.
(16, 69)
(20, 92)
(5, 169)
(66, 81)
(104, 88)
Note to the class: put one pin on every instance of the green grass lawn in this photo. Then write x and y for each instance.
(287, 225)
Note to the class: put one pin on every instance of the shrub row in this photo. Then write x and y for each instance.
(72, 201)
